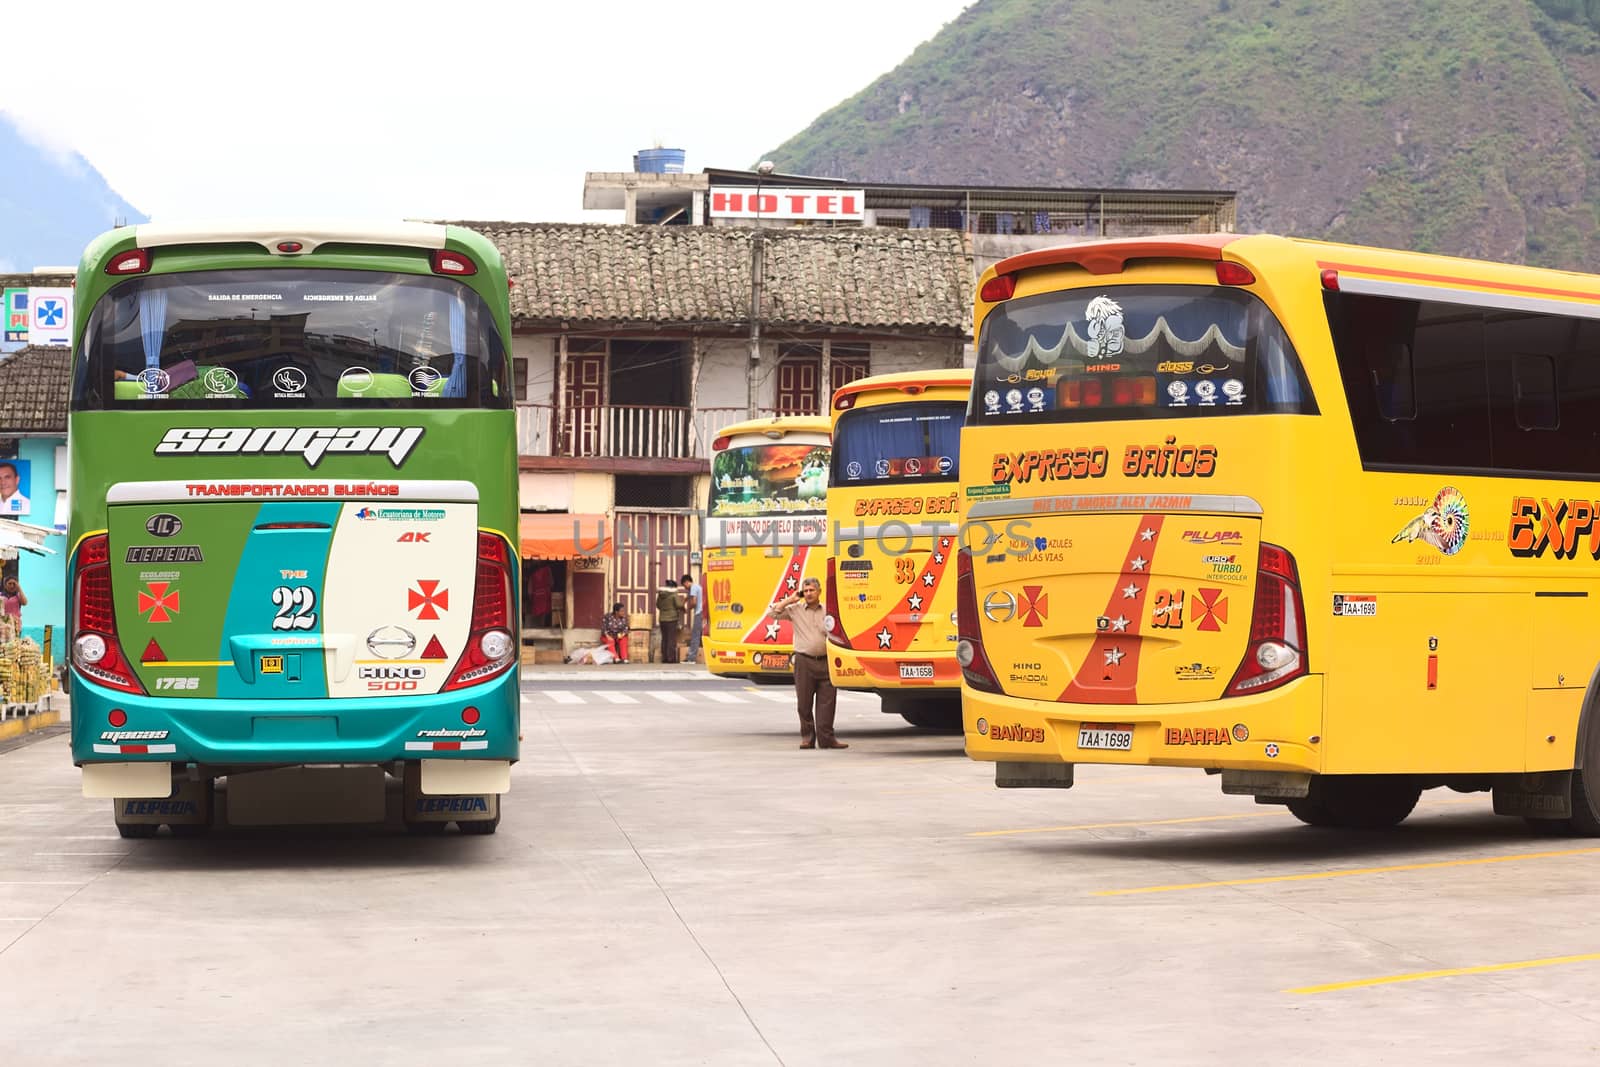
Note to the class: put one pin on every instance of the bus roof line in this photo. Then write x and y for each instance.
(269, 233)
(1111, 257)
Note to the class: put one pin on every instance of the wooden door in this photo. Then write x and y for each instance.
(797, 385)
(651, 547)
(842, 370)
(582, 403)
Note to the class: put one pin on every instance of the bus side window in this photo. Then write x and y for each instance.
(1394, 379)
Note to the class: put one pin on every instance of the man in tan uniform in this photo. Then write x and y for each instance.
(811, 682)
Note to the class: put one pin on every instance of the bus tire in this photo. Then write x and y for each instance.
(760, 678)
(1357, 801)
(480, 827)
(924, 712)
(1585, 819)
(137, 830)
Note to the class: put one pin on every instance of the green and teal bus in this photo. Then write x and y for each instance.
(293, 488)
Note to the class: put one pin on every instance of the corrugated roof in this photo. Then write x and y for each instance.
(860, 278)
(34, 385)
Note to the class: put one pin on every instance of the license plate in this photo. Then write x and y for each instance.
(775, 661)
(916, 671)
(1115, 736)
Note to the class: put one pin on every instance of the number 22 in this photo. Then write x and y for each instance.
(295, 604)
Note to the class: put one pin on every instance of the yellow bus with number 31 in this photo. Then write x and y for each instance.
(893, 514)
(1320, 518)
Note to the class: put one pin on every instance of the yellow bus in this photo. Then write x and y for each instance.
(764, 533)
(1320, 518)
(894, 515)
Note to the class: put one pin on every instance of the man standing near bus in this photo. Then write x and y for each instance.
(811, 682)
(693, 604)
(669, 609)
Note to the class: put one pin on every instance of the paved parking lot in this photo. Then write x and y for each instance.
(675, 882)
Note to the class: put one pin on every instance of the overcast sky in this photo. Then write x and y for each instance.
(447, 109)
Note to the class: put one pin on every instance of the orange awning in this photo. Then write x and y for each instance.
(549, 535)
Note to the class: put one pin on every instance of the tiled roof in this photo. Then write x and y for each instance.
(34, 384)
(23, 281)
(861, 278)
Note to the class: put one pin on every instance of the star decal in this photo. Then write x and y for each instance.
(1114, 657)
(915, 601)
(884, 637)
(1138, 563)
(795, 566)
(938, 557)
(927, 579)
(772, 631)
(790, 583)
(1146, 535)
(1120, 624)
(944, 542)
(1131, 591)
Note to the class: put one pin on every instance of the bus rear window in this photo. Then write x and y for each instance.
(1135, 352)
(288, 337)
(775, 479)
(893, 444)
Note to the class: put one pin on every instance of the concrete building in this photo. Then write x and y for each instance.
(34, 387)
(632, 348)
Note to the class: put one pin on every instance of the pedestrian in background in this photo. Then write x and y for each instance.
(14, 600)
(669, 609)
(614, 632)
(814, 691)
(693, 604)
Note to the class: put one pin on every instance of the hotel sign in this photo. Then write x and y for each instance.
(746, 202)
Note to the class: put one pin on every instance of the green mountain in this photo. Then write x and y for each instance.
(1468, 127)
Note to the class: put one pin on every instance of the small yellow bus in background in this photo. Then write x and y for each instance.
(764, 532)
(1324, 519)
(893, 515)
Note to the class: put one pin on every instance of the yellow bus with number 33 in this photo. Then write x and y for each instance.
(1321, 518)
(893, 515)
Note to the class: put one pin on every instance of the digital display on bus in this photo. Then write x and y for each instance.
(769, 479)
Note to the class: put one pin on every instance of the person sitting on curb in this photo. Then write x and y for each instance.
(614, 632)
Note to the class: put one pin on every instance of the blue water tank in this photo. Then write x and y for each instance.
(658, 161)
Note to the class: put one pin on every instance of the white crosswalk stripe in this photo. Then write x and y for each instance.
(612, 696)
(720, 697)
(560, 696)
(782, 696)
(744, 697)
(667, 696)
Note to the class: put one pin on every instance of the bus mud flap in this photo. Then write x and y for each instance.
(1283, 784)
(1033, 775)
(1542, 795)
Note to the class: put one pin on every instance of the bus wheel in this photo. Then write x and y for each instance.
(137, 829)
(1357, 801)
(924, 712)
(1586, 787)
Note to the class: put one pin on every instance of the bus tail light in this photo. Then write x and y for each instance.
(969, 639)
(1231, 273)
(133, 261)
(454, 263)
(1277, 650)
(491, 648)
(835, 623)
(96, 653)
(1000, 287)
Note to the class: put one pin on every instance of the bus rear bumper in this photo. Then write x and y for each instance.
(347, 730)
(1277, 731)
(893, 672)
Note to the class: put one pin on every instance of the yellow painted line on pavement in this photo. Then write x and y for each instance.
(1112, 825)
(1196, 818)
(1451, 972)
(27, 724)
(1349, 872)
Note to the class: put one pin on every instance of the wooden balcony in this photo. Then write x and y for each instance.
(622, 431)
